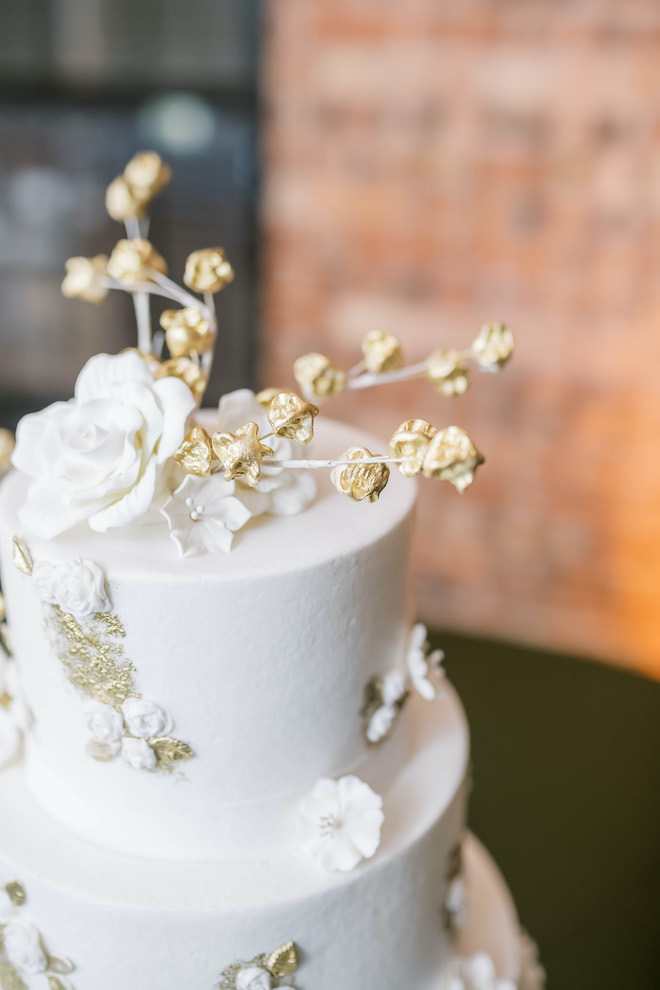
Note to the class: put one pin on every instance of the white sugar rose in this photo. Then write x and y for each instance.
(104, 722)
(97, 456)
(145, 718)
(23, 946)
(253, 978)
(381, 722)
(395, 685)
(77, 586)
(138, 753)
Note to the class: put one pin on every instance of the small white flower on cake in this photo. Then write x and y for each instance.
(104, 722)
(97, 456)
(204, 514)
(253, 978)
(77, 586)
(475, 973)
(23, 947)
(341, 822)
(138, 753)
(394, 687)
(381, 722)
(145, 718)
(423, 669)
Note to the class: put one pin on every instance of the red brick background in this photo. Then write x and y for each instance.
(432, 165)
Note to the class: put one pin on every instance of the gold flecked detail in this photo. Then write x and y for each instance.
(16, 893)
(22, 557)
(9, 978)
(93, 655)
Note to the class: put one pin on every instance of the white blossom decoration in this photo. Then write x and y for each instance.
(77, 586)
(341, 822)
(474, 973)
(97, 456)
(24, 957)
(424, 668)
(203, 515)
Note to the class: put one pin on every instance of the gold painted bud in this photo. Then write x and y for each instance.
(448, 372)
(382, 352)
(187, 370)
(266, 396)
(134, 261)
(411, 441)
(358, 480)
(451, 456)
(187, 331)
(241, 453)
(292, 417)
(208, 270)
(195, 455)
(147, 173)
(7, 444)
(493, 347)
(317, 377)
(122, 201)
(83, 279)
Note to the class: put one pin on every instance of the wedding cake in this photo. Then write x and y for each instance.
(230, 759)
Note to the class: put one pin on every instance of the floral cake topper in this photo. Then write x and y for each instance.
(130, 444)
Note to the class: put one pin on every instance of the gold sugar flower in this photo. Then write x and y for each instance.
(382, 352)
(292, 417)
(195, 455)
(448, 372)
(187, 370)
(493, 347)
(208, 270)
(317, 376)
(134, 261)
(147, 173)
(7, 444)
(187, 331)
(83, 279)
(241, 453)
(359, 480)
(451, 456)
(411, 442)
(266, 396)
(122, 201)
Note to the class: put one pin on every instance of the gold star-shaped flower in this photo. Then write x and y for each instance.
(241, 453)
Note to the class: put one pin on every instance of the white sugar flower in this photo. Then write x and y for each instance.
(138, 753)
(97, 456)
(423, 667)
(104, 722)
(203, 515)
(395, 685)
(475, 973)
(380, 722)
(145, 718)
(280, 491)
(341, 822)
(77, 586)
(253, 978)
(10, 737)
(23, 946)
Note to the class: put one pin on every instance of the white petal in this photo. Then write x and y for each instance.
(105, 370)
(238, 408)
(177, 402)
(294, 495)
(129, 508)
(50, 511)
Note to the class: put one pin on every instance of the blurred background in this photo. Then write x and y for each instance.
(419, 167)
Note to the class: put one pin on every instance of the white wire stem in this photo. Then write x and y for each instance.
(143, 320)
(176, 292)
(207, 359)
(387, 377)
(133, 231)
(313, 465)
(145, 287)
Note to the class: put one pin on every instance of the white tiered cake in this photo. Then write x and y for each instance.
(227, 769)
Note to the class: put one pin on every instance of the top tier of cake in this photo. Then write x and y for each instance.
(251, 665)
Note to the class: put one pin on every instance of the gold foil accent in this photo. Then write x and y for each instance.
(359, 481)
(187, 331)
(55, 983)
(187, 370)
(147, 173)
(382, 352)
(22, 557)
(93, 656)
(7, 444)
(266, 396)
(284, 961)
(133, 261)
(170, 751)
(83, 278)
(208, 270)
(411, 441)
(9, 978)
(16, 893)
(122, 201)
(448, 372)
(5, 700)
(195, 455)
(292, 417)
(317, 376)
(451, 456)
(493, 347)
(241, 453)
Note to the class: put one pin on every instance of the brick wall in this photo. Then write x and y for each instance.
(432, 165)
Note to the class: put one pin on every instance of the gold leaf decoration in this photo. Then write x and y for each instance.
(61, 965)
(411, 442)
(22, 557)
(93, 655)
(241, 453)
(187, 331)
(170, 751)
(9, 978)
(317, 376)
(16, 893)
(358, 480)
(195, 455)
(55, 983)
(208, 270)
(134, 261)
(382, 352)
(292, 417)
(284, 961)
(451, 456)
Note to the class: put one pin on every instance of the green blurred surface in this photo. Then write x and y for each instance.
(566, 760)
